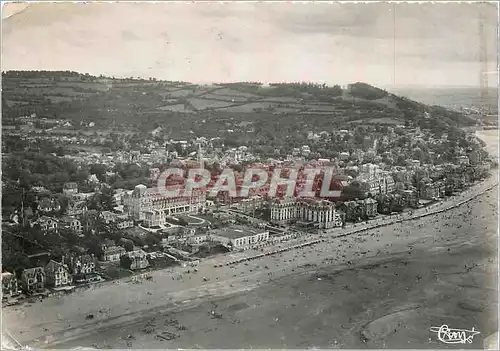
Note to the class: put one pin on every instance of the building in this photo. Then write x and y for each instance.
(318, 213)
(121, 221)
(239, 237)
(72, 223)
(81, 266)
(112, 253)
(463, 160)
(49, 205)
(143, 199)
(70, 188)
(410, 198)
(441, 189)
(352, 210)
(76, 207)
(197, 239)
(139, 259)
(108, 217)
(47, 223)
(432, 191)
(283, 210)
(33, 280)
(124, 222)
(368, 207)
(9, 285)
(344, 156)
(57, 274)
(374, 181)
(154, 218)
(250, 204)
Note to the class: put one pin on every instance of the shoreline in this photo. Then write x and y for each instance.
(187, 298)
(311, 267)
(57, 320)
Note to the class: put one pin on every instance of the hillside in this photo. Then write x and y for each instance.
(139, 104)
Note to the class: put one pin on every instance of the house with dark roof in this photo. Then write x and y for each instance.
(57, 274)
(112, 253)
(76, 207)
(70, 188)
(46, 223)
(72, 223)
(81, 267)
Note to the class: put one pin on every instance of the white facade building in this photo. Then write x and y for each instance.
(376, 181)
(241, 238)
(321, 213)
(154, 218)
(143, 199)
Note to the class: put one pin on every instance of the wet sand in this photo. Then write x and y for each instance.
(381, 288)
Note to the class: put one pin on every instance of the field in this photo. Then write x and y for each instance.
(192, 220)
(102, 100)
(201, 104)
(378, 121)
(248, 107)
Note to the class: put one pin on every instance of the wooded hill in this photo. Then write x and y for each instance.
(143, 104)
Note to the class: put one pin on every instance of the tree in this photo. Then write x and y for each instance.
(152, 239)
(128, 245)
(125, 262)
(106, 197)
(182, 222)
(94, 203)
(99, 170)
(418, 154)
(94, 246)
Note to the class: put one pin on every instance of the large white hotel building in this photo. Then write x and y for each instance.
(321, 213)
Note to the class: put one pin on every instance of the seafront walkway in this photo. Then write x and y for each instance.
(307, 240)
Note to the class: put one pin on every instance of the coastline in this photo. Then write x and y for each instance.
(420, 241)
(57, 320)
(181, 297)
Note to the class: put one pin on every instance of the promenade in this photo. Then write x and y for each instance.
(56, 320)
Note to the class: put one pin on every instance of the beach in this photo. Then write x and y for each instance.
(382, 287)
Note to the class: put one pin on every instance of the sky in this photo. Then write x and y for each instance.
(388, 45)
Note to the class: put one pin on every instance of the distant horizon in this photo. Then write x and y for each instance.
(384, 87)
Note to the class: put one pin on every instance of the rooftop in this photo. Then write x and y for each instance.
(114, 249)
(236, 232)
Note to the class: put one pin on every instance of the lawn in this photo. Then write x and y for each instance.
(249, 107)
(192, 220)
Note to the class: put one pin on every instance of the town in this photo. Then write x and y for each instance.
(81, 207)
(187, 175)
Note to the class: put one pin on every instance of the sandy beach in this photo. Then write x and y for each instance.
(383, 287)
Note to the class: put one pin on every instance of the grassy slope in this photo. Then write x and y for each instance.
(143, 103)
